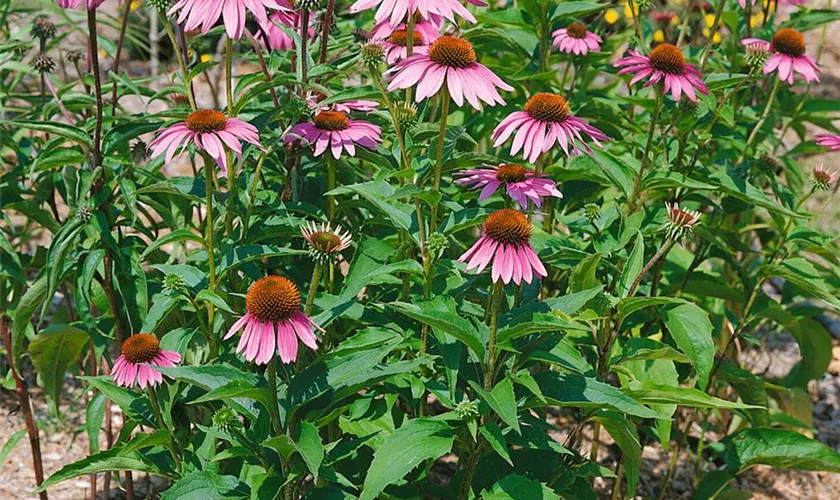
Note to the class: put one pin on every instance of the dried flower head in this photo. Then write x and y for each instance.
(43, 29)
(74, 55)
(680, 221)
(44, 64)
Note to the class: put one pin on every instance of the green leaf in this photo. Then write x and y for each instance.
(237, 389)
(94, 416)
(439, 313)
(779, 448)
(623, 432)
(204, 484)
(241, 254)
(502, 400)
(173, 237)
(632, 267)
(111, 460)
(569, 389)
(26, 307)
(650, 393)
(803, 274)
(134, 406)
(739, 188)
(692, 331)
(540, 323)
(212, 298)
(629, 305)
(494, 436)
(56, 128)
(210, 377)
(516, 487)
(310, 447)
(416, 441)
(10, 444)
(52, 351)
(583, 275)
(380, 195)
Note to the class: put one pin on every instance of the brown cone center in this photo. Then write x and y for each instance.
(576, 30)
(273, 298)
(508, 226)
(789, 42)
(331, 120)
(325, 241)
(547, 107)
(141, 348)
(668, 58)
(400, 37)
(452, 51)
(510, 172)
(206, 120)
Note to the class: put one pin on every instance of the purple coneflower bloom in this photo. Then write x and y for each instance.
(334, 129)
(203, 14)
(666, 62)
(830, 141)
(520, 184)
(325, 243)
(576, 39)
(395, 11)
(72, 4)
(451, 61)
(273, 318)
(276, 38)
(545, 120)
(788, 48)
(396, 44)
(210, 131)
(140, 353)
(506, 242)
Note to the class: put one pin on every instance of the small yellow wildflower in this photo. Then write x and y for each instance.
(659, 36)
(611, 16)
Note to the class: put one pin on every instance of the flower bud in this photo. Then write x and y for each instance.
(757, 54)
(406, 113)
(160, 5)
(824, 178)
(467, 410)
(373, 53)
(437, 244)
(174, 283)
(592, 212)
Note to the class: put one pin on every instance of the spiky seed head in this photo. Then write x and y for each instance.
(310, 5)
(84, 214)
(74, 55)
(467, 410)
(756, 55)
(437, 243)
(373, 53)
(175, 283)
(43, 29)
(225, 418)
(406, 113)
(44, 64)
(139, 151)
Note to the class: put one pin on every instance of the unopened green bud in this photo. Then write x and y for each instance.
(406, 115)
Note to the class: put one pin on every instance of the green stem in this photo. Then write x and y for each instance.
(761, 120)
(637, 183)
(252, 193)
(271, 374)
(162, 425)
(313, 288)
(409, 47)
(495, 306)
(374, 75)
(714, 29)
(330, 186)
(661, 253)
(182, 65)
(231, 169)
(209, 170)
(444, 115)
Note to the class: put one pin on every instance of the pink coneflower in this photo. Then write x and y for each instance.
(451, 60)
(830, 141)
(140, 353)
(204, 14)
(210, 131)
(576, 39)
(276, 38)
(72, 4)
(325, 243)
(334, 129)
(505, 241)
(396, 45)
(823, 177)
(395, 11)
(545, 120)
(429, 29)
(666, 62)
(273, 319)
(520, 184)
(788, 47)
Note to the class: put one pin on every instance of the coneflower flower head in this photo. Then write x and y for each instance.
(44, 64)
(43, 29)
(273, 318)
(667, 63)
(680, 221)
(757, 55)
(546, 120)
(521, 185)
(576, 39)
(373, 53)
(140, 353)
(325, 243)
(406, 113)
(506, 242)
(787, 47)
(830, 141)
(824, 178)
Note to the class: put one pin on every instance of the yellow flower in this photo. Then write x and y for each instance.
(206, 57)
(710, 20)
(135, 4)
(756, 20)
(611, 16)
(628, 12)
(675, 20)
(716, 38)
(659, 36)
